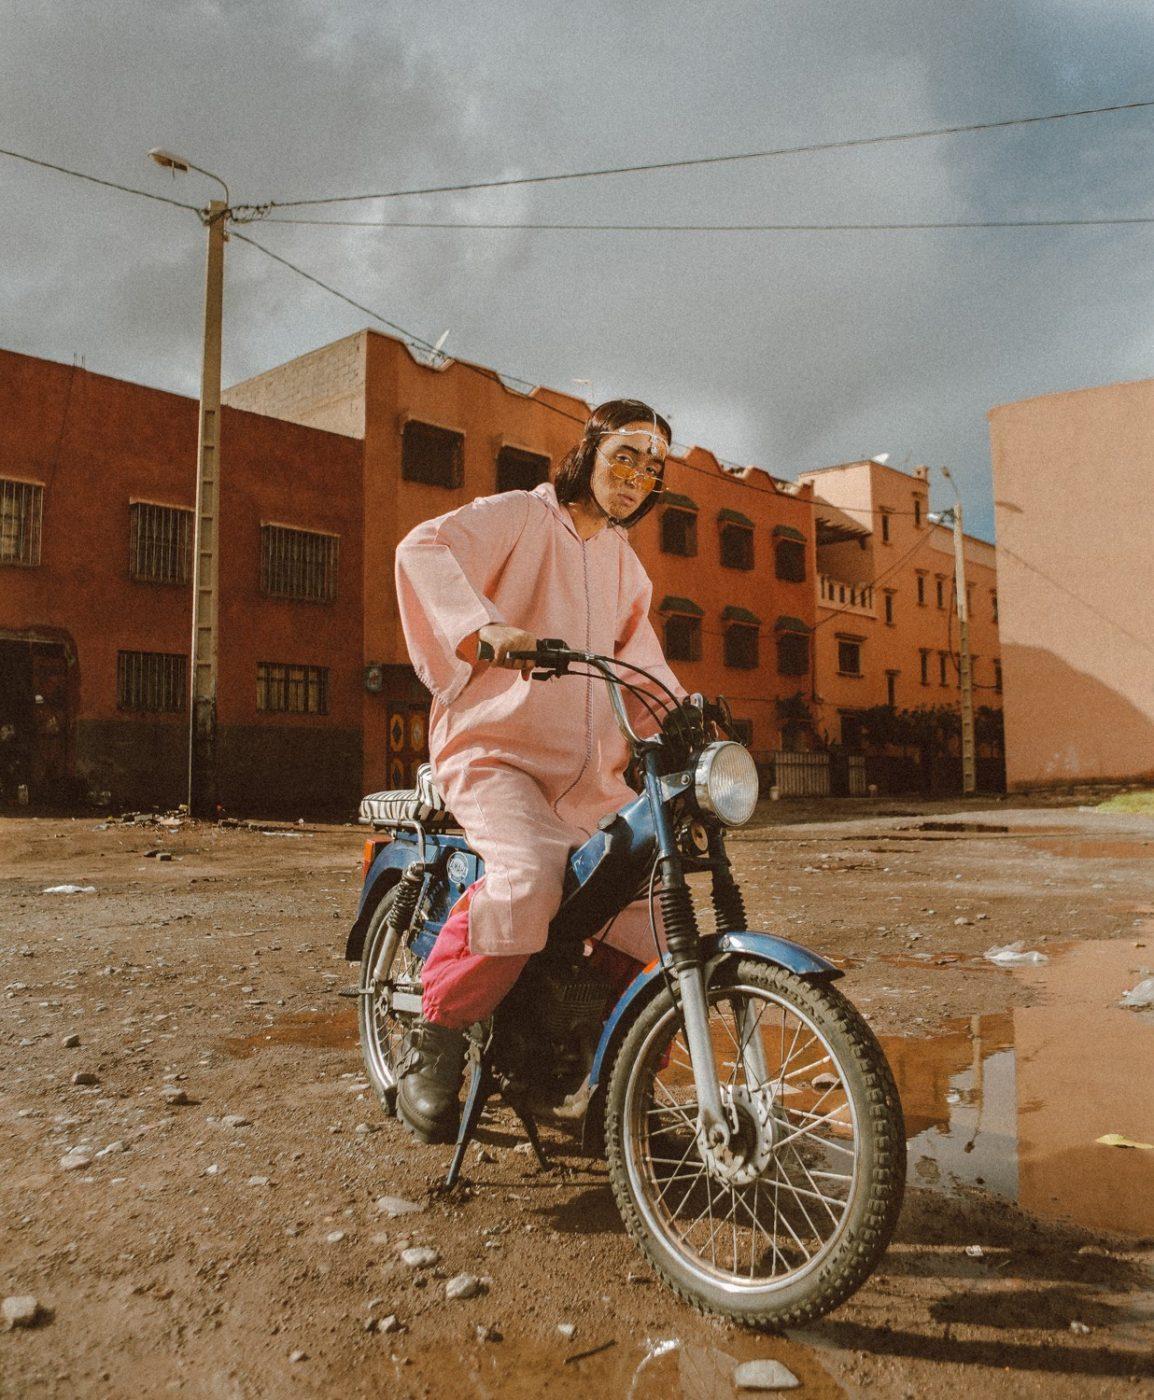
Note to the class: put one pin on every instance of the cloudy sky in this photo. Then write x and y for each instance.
(791, 350)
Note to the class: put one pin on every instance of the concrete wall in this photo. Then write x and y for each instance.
(1074, 501)
(323, 389)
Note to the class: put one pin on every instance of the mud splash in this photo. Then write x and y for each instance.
(317, 1030)
(1015, 1102)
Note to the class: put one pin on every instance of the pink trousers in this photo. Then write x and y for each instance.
(461, 987)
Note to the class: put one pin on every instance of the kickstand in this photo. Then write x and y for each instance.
(481, 1087)
(483, 1084)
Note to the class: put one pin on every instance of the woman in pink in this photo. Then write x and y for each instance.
(527, 768)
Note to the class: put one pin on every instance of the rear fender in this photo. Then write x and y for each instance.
(386, 871)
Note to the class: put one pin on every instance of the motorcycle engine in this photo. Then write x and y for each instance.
(551, 1022)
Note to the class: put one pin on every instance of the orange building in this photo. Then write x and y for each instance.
(97, 484)
(887, 623)
(808, 609)
(1074, 498)
(731, 556)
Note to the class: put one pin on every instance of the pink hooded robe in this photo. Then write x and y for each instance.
(527, 767)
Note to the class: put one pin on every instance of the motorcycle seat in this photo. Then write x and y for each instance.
(423, 803)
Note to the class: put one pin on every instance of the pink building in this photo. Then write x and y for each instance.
(1074, 496)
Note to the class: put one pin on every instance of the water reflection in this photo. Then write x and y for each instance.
(1014, 1102)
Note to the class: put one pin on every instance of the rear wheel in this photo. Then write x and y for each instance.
(788, 1220)
(389, 1001)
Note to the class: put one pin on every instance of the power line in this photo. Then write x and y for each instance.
(411, 338)
(726, 228)
(685, 164)
(839, 612)
(96, 180)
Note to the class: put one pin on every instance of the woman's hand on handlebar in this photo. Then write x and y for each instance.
(503, 640)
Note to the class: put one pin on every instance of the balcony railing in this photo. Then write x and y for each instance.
(847, 597)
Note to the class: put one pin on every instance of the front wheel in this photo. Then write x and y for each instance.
(784, 1223)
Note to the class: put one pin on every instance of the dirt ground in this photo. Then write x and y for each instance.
(198, 1213)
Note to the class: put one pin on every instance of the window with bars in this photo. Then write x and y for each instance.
(518, 470)
(21, 515)
(152, 682)
(160, 543)
(431, 455)
(682, 638)
(741, 646)
(292, 690)
(298, 564)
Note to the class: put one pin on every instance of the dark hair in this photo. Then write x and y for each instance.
(573, 479)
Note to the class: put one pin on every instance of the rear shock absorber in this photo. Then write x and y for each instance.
(408, 893)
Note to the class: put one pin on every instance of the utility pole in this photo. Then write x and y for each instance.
(969, 752)
(202, 751)
(202, 734)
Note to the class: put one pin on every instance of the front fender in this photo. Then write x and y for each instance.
(746, 943)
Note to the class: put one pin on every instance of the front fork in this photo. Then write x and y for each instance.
(683, 940)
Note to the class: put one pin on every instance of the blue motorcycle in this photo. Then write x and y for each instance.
(753, 1132)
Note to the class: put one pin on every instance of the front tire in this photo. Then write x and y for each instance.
(388, 967)
(790, 1221)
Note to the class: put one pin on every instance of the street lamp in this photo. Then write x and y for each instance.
(202, 745)
(969, 757)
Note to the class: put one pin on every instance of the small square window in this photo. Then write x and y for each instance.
(741, 646)
(431, 455)
(792, 654)
(789, 561)
(518, 470)
(737, 547)
(679, 532)
(682, 638)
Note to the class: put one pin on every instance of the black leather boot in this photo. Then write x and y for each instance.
(429, 1081)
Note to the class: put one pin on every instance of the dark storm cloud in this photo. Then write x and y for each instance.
(791, 350)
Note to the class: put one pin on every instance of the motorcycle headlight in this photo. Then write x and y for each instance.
(725, 782)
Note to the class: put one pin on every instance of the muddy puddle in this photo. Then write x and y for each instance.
(694, 1364)
(1015, 1102)
(316, 1030)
